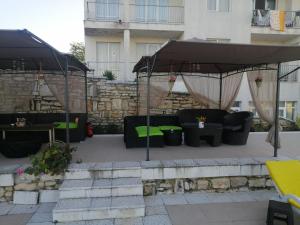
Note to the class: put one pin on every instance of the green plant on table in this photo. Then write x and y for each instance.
(53, 160)
(298, 122)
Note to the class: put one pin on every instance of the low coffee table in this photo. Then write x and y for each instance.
(212, 133)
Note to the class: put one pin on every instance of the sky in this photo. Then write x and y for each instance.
(58, 22)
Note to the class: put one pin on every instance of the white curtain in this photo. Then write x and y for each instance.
(263, 87)
(205, 88)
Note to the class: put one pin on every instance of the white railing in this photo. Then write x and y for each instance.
(160, 14)
(111, 11)
(117, 68)
(285, 69)
(261, 18)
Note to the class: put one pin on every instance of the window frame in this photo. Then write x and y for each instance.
(218, 7)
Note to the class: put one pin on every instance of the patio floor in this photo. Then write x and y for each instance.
(107, 148)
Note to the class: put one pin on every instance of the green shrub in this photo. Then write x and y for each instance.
(298, 122)
(109, 75)
(53, 160)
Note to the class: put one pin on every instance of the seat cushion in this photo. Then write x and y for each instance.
(153, 131)
(233, 128)
(63, 125)
(167, 127)
(286, 176)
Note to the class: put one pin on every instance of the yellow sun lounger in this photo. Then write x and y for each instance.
(286, 177)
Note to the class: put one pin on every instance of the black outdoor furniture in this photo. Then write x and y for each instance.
(280, 211)
(212, 133)
(172, 137)
(236, 128)
(131, 138)
(76, 135)
(190, 115)
(20, 149)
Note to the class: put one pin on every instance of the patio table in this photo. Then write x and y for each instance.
(212, 133)
(30, 128)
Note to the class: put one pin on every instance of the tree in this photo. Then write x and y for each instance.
(77, 49)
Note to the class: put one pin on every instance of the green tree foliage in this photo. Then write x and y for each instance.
(78, 50)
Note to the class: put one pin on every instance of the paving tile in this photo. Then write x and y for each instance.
(66, 204)
(151, 164)
(196, 198)
(98, 203)
(153, 200)
(126, 182)
(227, 161)
(21, 209)
(241, 197)
(103, 166)
(185, 163)
(205, 162)
(128, 202)
(247, 161)
(76, 184)
(218, 197)
(5, 208)
(156, 210)
(81, 166)
(174, 199)
(157, 220)
(41, 218)
(46, 207)
(100, 222)
(72, 223)
(130, 221)
(9, 168)
(126, 165)
(102, 183)
(168, 163)
(42, 223)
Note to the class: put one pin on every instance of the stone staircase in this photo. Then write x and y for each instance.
(100, 191)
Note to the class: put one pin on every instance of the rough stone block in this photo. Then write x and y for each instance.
(257, 182)
(238, 181)
(202, 184)
(26, 187)
(6, 180)
(26, 197)
(220, 183)
(49, 196)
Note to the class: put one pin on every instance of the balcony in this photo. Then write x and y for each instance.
(159, 14)
(104, 11)
(262, 18)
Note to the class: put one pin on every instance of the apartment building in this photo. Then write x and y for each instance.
(119, 32)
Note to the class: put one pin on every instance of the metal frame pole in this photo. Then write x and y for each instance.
(277, 112)
(148, 110)
(221, 89)
(137, 94)
(67, 104)
(86, 96)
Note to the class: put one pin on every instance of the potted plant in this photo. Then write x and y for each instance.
(201, 121)
(258, 82)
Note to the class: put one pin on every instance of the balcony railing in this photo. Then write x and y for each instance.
(164, 14)
(261, 18)
(107, 11)
(117, 68)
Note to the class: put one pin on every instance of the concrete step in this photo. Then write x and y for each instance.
(68, 210)
(103, 170)
(89, 188)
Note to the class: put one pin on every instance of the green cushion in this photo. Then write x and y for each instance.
(162, 128)
(63, 125)
(153, 131)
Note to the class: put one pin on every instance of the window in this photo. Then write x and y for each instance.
(264, 4)
(236, 107)
(108, 58)
(287, 110)
(152, 10)
(285, 68)
(107, 9)
(218, 40)
(146, 49)
(218, 5)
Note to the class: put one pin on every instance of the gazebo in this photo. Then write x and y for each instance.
(212, 73)
(22, 52)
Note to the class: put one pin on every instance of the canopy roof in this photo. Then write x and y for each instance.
(204, 57)
(24, 47)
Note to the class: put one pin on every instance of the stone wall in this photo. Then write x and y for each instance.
(17, 187)
(110, 101)
(219, 184)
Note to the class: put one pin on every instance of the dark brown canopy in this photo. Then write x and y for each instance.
(31, 51)
(204, 57)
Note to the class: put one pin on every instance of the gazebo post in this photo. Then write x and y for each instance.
(137, 93)
(148, 109)
(277, 112)
(67, 104)
(86, 96)
(221, 88)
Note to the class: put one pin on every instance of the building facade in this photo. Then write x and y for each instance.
(119, 32)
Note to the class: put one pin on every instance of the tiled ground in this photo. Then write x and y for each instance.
(245, 208)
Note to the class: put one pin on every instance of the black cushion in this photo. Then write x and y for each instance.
(19, 149)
